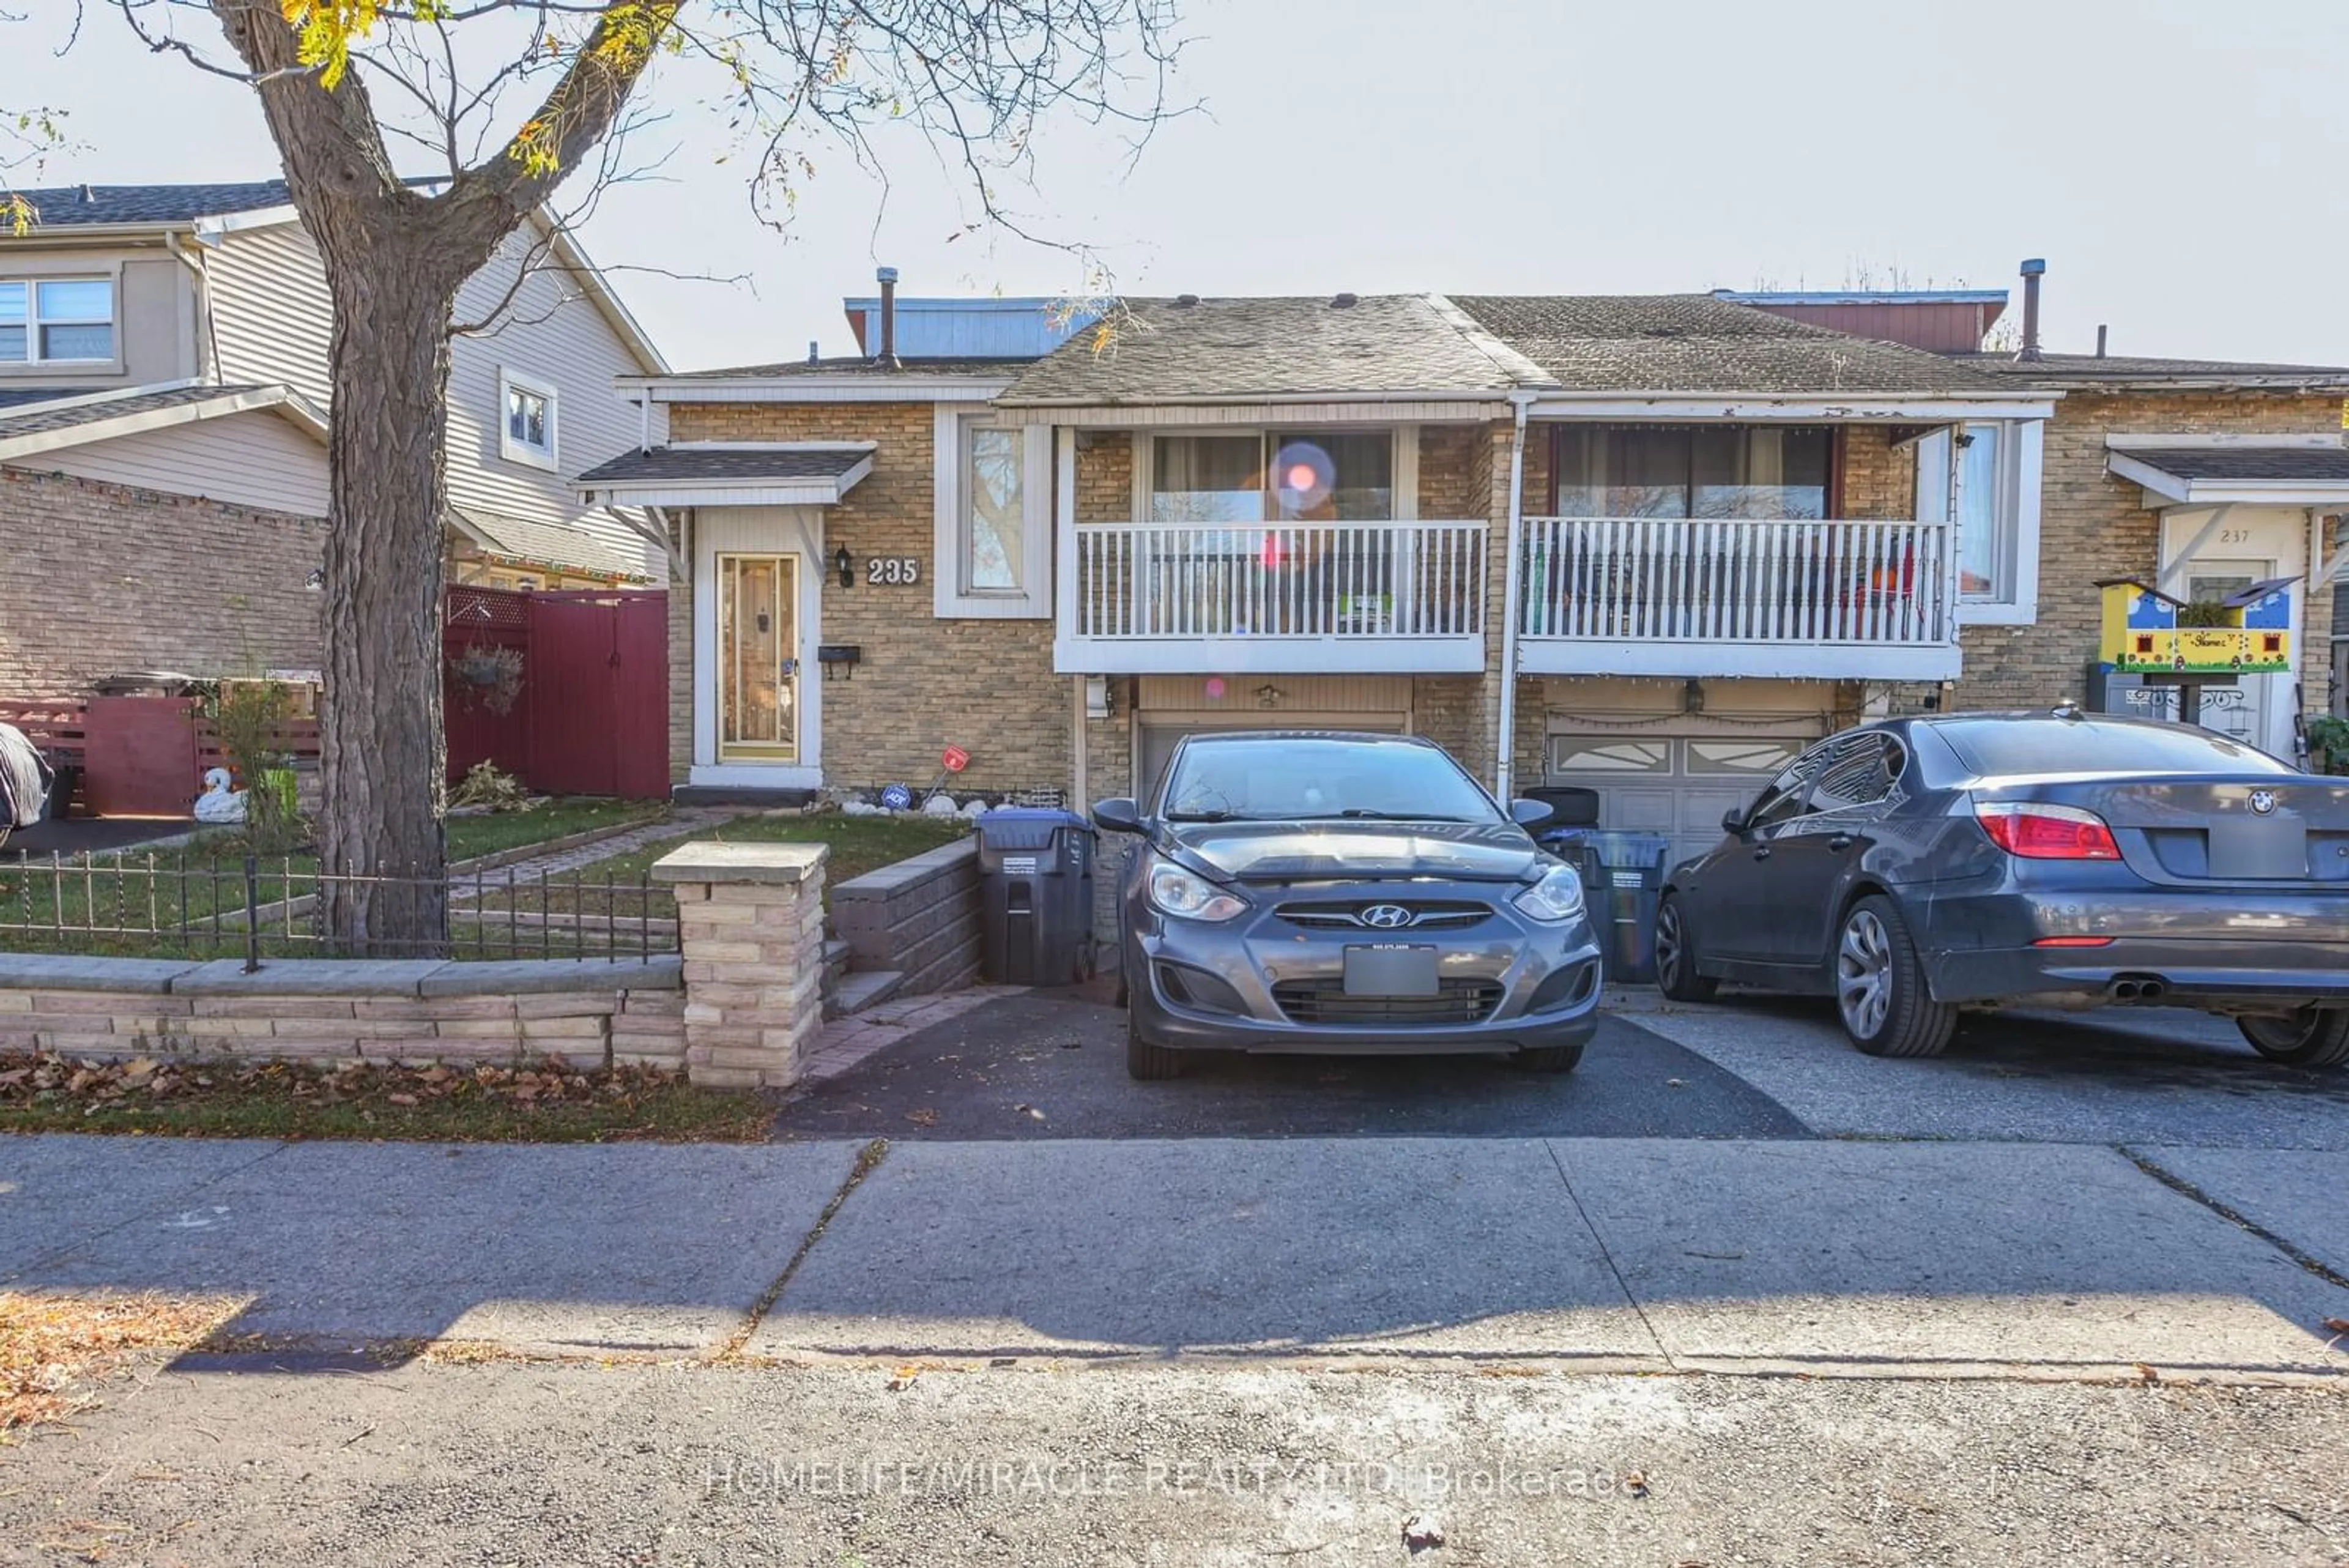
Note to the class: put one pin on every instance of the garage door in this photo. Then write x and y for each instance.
(1160, 735)
(1678, 785)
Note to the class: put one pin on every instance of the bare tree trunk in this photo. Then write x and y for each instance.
(382, 751)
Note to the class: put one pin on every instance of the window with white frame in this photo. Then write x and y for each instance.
(1998, 515)
(526, 419)
(57, 320)
(994, 527)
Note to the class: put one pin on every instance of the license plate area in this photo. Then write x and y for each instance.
(2259, 849)
(1390, 969)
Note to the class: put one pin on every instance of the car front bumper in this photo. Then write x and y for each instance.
(2223, 952)
(1212, 988)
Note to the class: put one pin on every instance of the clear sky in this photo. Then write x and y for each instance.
(2179, 162)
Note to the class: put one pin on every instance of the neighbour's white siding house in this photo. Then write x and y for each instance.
(255, 459)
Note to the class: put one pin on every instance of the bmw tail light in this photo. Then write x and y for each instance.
(2038, 832)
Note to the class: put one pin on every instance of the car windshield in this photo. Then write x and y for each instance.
(2002, 747)
(1294, 778)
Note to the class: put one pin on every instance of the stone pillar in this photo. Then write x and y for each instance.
(751, 926)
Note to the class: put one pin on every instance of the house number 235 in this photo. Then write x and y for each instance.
(892, 571)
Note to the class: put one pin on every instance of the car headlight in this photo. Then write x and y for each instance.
(1174, 891)
(1557, 896)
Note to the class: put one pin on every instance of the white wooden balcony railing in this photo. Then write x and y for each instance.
(1775, 596)
(1301, 596)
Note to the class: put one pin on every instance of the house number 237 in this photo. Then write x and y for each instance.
(892, 571)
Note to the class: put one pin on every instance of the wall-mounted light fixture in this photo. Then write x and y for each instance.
(845, 565)
(1692, 696)
(1097, 697)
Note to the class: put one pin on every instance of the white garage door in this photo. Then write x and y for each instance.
(1678, 785)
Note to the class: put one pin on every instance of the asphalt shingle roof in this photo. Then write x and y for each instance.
(1239, 349)
(1684, 343)
(550, 543)
(857, 365)
(751, 464)
(37, 420)
(2326, 464)
(64, 206)
(17, 397)
(2058, 369)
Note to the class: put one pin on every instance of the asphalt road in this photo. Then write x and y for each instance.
(1050, 1064)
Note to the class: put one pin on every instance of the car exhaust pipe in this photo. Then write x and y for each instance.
(2138, 988)
(2124, 990)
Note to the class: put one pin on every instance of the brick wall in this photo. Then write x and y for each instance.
(2092, 526)
(922, 683)
(101, 578)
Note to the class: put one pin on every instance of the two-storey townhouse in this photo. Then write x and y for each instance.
(163, 377)
(2199, 476)
(1302, 511)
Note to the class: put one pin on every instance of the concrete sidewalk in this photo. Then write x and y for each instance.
(1859, 1258)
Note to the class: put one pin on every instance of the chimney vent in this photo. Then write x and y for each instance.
(887, 277)
(88, 194)
(813, 355)
(1344, 301)
(2101, 330)
(2033, 270)
(1187, 300)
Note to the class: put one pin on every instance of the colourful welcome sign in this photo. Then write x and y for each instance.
(2142, 635)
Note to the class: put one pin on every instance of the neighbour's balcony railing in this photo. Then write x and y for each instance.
(1313, 588)
(1734, 579)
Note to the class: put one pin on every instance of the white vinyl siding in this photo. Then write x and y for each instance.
(255, 459)
(271, 313)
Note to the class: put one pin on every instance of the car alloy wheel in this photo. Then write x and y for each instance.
(1676, 974)
(2312, 1037)
(1864, 975)
(1879, 985)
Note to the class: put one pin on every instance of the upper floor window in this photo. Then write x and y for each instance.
(1719, 471)
(1998, 515)
(994, 526)
(526, 431)
(1273, 476)
(57, 320)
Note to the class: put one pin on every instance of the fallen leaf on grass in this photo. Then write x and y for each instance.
(402, 1099)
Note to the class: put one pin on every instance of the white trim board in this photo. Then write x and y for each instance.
(279, 401)
(2164, 489)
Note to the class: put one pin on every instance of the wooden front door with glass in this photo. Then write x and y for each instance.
(758, 648)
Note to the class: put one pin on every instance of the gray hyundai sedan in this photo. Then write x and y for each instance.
(1313, 891)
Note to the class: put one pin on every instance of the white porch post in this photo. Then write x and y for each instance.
(1064, 506)
(1953, 553)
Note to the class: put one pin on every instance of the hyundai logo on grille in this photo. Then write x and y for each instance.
(1386, 917)
(2264, 801)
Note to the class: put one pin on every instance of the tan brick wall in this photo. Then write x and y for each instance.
(922, 683)
(100, 578)
(1450, 485)
(1106, 476)
(1879, 479)
(576, 1028)
(2092, 526)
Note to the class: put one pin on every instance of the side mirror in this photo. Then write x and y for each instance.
(1119, 816)
(1734, 820)
(1530, 812)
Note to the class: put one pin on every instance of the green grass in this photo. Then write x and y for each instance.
(492, 832)
(290, 1100)
(859, 844)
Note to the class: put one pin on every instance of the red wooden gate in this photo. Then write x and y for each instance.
(593, 714)
(139, 757)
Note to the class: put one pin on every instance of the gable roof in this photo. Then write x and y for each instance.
(978, 366)
(1696, 343)
(76, 206)
(1171, 350)
(68, 419)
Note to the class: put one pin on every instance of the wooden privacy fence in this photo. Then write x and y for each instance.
(591, 716)
(137, 757)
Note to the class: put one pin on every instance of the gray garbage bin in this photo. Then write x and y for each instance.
(1036, 895)
(1631, 885)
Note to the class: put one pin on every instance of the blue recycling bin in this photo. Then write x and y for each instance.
(1631, 885)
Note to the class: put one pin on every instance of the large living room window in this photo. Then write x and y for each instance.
(1720, 471)
(57, 320)
(1263, 476)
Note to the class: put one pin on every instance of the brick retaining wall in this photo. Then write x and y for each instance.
(587, 1013)
(919, 917)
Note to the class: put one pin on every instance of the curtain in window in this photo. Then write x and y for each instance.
(991, 537)
(1720, 471)
(1206, 479)
(1979, 569)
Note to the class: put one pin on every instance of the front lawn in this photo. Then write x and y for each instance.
(278, 1099)
(492, 832)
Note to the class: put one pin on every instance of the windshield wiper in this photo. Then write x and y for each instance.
(1366, 814)
(1214, 816)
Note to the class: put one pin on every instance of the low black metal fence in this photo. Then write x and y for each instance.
(256, 906)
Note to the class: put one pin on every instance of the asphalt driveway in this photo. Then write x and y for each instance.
(1051, 1064)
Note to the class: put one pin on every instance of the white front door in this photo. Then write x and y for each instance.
(756, 586)
(2210, 554)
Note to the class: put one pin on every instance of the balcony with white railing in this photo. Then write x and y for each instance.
(1790, 597)
(1360, 597)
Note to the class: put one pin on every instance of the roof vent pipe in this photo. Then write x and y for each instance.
(813, 358)
(2101, 330)
(888, 279)
(2033, 270)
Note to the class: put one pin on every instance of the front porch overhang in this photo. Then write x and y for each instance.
(1462, 654)
(729, 474)
(2236, 476)
(1726, 660)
